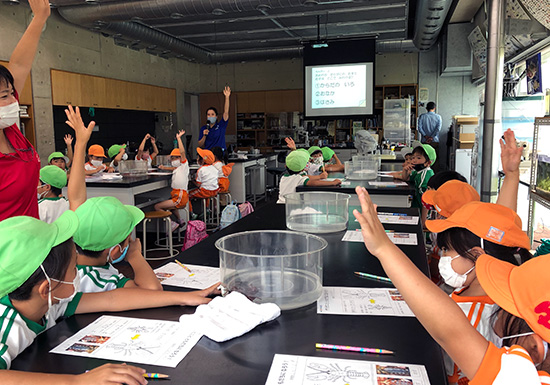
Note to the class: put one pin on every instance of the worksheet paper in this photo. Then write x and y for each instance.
(362, 301)
(388, 184)
(409, 239)
(344, 182)
(200, 277)
(400, 219)
(298, 370)
(141, 341)
(159, 173)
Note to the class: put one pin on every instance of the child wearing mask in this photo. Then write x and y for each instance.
(331, 161)
(60, 160)
(419, 171)
(144, 152)
(51, 203)
(180, 181)
(523, 291)
(117, 152)
(95, 165)
(207, 176)
(315, 165)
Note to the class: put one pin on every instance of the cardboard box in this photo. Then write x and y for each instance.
(466, 119)
(466, 140)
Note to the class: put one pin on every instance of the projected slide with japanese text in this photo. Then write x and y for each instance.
(339, 86)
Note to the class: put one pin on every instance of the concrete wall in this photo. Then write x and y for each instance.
(66, 47)
(452, 95)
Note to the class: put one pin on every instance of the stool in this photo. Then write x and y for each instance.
(168, 246)
(225, 198)
(183, 214)
(211, 220)
(276, 172)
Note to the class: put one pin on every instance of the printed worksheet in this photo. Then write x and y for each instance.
(298, 370)
(142, 341)
(362, 301)
(200, 277)
(388, 184)
(409, 239)
(396, 218)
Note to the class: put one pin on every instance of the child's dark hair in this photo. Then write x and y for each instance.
(6, 76)
(219, 154)
(56, 191)
(437, 180)
(290, 172)
(316, 152)
(420, 150)
(88, 253)
(213, 109)
(56, 265)
(462, 241)
(511, 325)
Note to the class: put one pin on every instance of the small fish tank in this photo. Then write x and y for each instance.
(276, 266)
(543, 176)
(132, 167)
(363, 168)
(317, 211)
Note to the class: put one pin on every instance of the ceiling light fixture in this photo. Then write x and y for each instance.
(92, 2)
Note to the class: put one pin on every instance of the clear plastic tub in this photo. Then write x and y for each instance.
(283, 267)
(133, 167)
(362, 169)
(317, 211)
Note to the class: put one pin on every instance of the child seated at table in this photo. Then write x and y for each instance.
(95, 165)
(295, 175)
(206, 177)
(51, 203)
(315, 166)
(117, 152)
(144, 151)
(180, 181)
(103, 239)
(224, 170)
(419, 171)
(331, 161)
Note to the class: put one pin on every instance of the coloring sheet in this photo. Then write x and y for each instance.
(142, 341)
(388, 184)
(298, 370)
(200, 277)
(395, 218)
(397, 238)
(362, 301)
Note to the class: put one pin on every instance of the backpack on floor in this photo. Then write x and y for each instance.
(245, 209)
(230, 214)
(196, 232)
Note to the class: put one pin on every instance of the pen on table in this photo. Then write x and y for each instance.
(352, 349)
(182, 265)
(156, 375)
(372, 276)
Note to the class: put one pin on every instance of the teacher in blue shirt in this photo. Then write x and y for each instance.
(429, 125)
(212, 134)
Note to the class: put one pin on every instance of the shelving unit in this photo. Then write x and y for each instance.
(539, 186)
(394, 91)
(250, 129)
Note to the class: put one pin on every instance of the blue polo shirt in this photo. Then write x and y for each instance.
(216, 135)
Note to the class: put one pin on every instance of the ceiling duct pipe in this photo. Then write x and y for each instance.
(430, 17)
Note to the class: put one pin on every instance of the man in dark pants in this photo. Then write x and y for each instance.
(429, 125)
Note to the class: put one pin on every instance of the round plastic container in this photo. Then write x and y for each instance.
(362, 169)
(317, 211)
(282, 267)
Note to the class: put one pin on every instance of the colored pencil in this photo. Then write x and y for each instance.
(352, 349)
(372, 276)
(182, 265)
(156, 375)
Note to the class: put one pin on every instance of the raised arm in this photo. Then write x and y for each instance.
(144, 276)
(76, 190)
(155, 148)
(23, 55)
(290, 143)
(142, 146)
(180, 145)
(510, 156)
(226, 93)
(68, 139)
(437, 312)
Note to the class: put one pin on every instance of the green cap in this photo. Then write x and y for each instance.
(430, 151)
(297, 160)
(58, 154)
(105, 222)
(328, 153)
(114, 150)
(313, 149)
(25, 242)
(54, 176)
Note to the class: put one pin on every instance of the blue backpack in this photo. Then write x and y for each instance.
(230, 214)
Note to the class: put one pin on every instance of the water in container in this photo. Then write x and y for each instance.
(362, 167)
(278, 266)
(317, 211)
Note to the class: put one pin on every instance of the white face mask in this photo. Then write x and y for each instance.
(499, 341)
(75, 283)
(176, 163)
(96, 163)
(449, 275)
(41, 195)
(9, 115)
(125, 156)
(318, 160)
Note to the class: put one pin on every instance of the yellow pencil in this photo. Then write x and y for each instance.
(185, 267)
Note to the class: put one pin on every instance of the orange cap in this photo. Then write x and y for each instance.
(492, 222)
(450, 196)
(175, 152)
(96, 150)
(521, 290)
(207, 155)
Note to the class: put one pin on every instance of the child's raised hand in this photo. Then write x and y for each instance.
(290, 143)
(134, 248)
(153, 140)
(373, 232)
(68, 139)
(74, 120)
(200, 297)
(510, 153)
(113, 374)
(180, 134)
(40, 8)
(147, 136)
